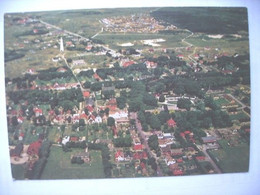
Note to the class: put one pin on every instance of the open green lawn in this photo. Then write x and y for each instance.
(221, 101)
(54, 134)
(240, 115)
(18, 171)
(199, 41)
(232, 159)
(30, 137)
(59, 166)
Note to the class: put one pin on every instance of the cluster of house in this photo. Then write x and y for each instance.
(74, 139)
(137, 153)
(135, 23)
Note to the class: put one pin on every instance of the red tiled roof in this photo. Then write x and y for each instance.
(247, 130)
(179, 160)
(128, 63)
(37, 110)
(51, 112)
(90, 108)
(86, 93)
(182, 134)
(118, 154)
(96, 76)
(140, 155)
(62, 70)
(200, 158)
(187, 132)
(83, 115)
(138, 147)
(34, 148)
(171, 123)
(142, 165)
(177, 172)
(74, 139)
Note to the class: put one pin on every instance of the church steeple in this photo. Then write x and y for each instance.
(61, 45)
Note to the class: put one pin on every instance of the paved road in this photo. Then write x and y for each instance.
(242, 104)
(66, 31)
(208, 158)
(133, 115)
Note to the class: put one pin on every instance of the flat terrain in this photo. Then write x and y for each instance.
(232, 159)
(60, 167)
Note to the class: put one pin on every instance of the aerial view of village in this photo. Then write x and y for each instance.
(127, 92)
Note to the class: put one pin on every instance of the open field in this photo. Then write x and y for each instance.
(18, 171)
(199, 41)
(232, 159)
(114, 39)
(60, 167)
(54, 134)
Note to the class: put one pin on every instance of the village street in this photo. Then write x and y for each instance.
(203, 148)
(133, 115)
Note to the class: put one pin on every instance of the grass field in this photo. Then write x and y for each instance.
(232, 159)
(113, 39)
(221, 102)
(54, 134)
(224, 44)
(240, 115)
(59, 166)
(18, 171)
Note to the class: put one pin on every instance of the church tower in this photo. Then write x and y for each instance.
(61, 45)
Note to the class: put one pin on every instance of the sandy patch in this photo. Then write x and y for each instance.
(215, 36)
(237, 36)
(126, 44)
(153, 42)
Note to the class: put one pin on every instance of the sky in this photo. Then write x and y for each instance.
(240, 183)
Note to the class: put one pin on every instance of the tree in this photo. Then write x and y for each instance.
(121, 102)
(14, 121)
(179, 89)
(153, 142)
(107, 111)
(161, 98)
(163, 117)
(209, 102)
(145, 127)
(110, 121)
(154, 122)
(141, 117)
(96, 86)
(184, 103)
(159, 87)
(149, 99)
(69, 60)
(82, 122)
(87, 84)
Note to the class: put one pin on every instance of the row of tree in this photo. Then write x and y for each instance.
(39, 165)
(105, 156)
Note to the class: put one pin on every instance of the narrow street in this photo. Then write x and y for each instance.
(208, 158)
(133, 115)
